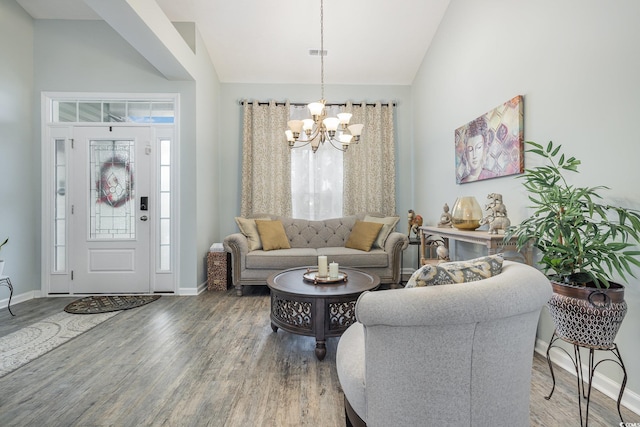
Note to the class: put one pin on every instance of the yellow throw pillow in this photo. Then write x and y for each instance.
(363, 234)
(272, 235)
(248, 227)
(389, 224)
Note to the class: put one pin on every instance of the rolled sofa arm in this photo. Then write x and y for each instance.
(393, 246)
(238, 246)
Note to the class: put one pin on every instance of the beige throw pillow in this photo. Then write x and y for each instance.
(248, 227)
(272, 235)
(389, 224)
(363, 234)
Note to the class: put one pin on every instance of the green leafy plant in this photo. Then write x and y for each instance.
(580, 238)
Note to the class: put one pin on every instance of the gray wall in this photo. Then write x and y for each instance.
(19, 153)
(208, 179)
(82, 56)
(577, 66)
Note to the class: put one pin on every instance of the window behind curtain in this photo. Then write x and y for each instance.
(316, 179)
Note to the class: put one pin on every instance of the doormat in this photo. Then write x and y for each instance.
(106, 303)
(26, 344)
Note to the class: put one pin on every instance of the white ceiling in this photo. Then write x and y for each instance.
(378, 42)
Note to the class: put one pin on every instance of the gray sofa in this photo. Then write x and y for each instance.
(448, 355)
(308, 240)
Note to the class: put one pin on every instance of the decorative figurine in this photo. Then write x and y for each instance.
(415, 222)
(496, 214)
(443, 253)
(445, 218)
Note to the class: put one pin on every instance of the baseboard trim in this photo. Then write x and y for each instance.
(192, 291)
(17, 299)
(602, 383)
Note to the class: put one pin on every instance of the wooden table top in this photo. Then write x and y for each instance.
(291, 282)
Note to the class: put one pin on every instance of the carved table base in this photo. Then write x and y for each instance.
(320, 311)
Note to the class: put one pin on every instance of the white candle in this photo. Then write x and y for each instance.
(322, 266)
(333, 270)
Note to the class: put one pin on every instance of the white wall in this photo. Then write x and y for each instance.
(19, 191)
(577, 66)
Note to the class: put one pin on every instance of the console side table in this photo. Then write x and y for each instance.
(5, 281)
(493, 242)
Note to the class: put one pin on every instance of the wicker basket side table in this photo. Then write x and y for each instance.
(218, 269)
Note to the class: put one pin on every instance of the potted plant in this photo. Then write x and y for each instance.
(582, 242)
(1, 260)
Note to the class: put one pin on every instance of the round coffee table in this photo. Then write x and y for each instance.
(318, 310)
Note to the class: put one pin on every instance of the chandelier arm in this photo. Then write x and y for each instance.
(331, 141)
(299, 146)
(314, 134)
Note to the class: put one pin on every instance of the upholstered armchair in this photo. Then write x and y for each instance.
(449, 355)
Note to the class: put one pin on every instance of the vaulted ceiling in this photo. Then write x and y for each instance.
(378, 42)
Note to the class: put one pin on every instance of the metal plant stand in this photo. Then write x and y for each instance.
(5, 281)
(577, 363)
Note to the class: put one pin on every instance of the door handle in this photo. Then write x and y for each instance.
(143, 218)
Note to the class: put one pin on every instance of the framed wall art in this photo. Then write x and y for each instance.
(492, 145)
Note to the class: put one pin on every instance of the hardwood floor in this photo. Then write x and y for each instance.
(207, 360)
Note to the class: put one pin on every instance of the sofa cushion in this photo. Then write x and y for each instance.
(272, 235)
(389, 224)
(281, 259)
(375, 258)
(456, 272)
(363, 235)
(248, 227)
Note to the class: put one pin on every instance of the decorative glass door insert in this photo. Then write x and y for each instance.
(112, 207)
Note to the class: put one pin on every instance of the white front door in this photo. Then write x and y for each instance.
(111, 216)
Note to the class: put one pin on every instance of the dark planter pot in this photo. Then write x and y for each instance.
(587, 315)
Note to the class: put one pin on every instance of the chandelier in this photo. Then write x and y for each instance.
(320, 128)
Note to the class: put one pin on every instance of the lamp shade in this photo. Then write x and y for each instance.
(345, 138)
(316, 108)
(307, 124)
(344, 118)
(331, 123)
(295, 126)
(289, 135)
(356, 130)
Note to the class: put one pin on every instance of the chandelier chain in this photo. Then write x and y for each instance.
(322, 48)
(320, 128)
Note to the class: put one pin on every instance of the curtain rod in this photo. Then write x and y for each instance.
(298, 104)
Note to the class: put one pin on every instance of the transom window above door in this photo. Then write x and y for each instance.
(112, 111)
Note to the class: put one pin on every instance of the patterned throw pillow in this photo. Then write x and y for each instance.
(457, 272)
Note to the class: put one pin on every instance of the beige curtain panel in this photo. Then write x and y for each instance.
(266, 162)
(369, 166)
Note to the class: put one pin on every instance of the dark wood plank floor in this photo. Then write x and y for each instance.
(207, 360)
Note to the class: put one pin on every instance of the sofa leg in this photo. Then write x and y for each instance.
(239, 290)
(352, 419)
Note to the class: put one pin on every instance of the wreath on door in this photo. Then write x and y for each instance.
(115, 183)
